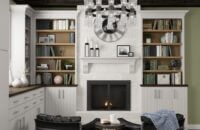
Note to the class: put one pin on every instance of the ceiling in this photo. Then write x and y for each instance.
(143, 3)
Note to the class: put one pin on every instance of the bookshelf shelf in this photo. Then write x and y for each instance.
(55, 71)
(160, 31)
(55, 44)
(56, 57)
(162, 71)
(162, 44)
(55, 31)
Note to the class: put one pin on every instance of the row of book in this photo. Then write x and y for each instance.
(45, 51)
(169, 38)
(163, 79)
(164, 24)
(157, 51)
(64, 24)
(68, 79)
(155, 65)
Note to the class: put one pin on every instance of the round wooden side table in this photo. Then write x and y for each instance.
(100, 126)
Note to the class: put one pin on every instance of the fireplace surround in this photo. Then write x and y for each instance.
(107, 95)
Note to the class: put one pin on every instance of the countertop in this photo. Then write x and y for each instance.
(20, 90)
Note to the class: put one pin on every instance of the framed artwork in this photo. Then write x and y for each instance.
(123, 50)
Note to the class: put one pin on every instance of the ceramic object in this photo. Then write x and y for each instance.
(16, 83)
(24, 80)
(58, 80)
(38, 79)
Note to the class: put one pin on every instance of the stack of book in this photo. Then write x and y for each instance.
(150, 79)
(168, 24)
(58, 65)
(169, 38)
(45, 51)
(151, 65)
(68, 79)
(61, 24)
(176, 78)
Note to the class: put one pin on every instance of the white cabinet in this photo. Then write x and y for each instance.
(171, 98)
(24, 108)
(61, 101)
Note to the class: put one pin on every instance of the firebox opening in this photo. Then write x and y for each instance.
(108, 95)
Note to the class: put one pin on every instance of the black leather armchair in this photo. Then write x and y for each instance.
(147, 124)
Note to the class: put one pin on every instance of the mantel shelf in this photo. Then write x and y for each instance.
(131, 61)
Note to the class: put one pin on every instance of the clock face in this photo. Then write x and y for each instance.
(109, 33)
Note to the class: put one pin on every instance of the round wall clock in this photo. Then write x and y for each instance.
(109, 35)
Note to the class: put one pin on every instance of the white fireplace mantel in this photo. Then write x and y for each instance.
(131, 61)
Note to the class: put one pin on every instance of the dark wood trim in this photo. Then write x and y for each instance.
(155, 85)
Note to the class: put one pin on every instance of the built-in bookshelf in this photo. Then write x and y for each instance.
(162, 57)
(55, 50)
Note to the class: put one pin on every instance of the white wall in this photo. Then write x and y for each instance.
(132, 37)
(4, 44)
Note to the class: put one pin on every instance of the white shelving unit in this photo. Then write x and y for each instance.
(157, 97)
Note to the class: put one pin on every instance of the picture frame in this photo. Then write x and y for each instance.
(43, 39)
(52, 38)
(123, 50)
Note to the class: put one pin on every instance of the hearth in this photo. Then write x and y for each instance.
(108, 95)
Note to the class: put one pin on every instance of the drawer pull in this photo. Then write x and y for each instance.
(14, 113)
(16, 101)
(26, 107)
(34, 94)
(34, 103)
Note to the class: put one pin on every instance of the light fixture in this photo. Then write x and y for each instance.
(111, 18)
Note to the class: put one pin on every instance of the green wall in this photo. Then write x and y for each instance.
(192, 52)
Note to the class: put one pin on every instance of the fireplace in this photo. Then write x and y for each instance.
(108, 95)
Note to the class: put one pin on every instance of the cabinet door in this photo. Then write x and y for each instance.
(15, 124)
(180, 100)
(155, 99)
(69, 101)
(53, 101)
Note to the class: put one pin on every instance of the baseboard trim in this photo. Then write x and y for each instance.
(195, 127)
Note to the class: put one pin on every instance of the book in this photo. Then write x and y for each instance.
(52, 51)
(158, 50)
(153, 65)
(66, 24)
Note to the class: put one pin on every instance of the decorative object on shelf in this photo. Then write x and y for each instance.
(123, 50)
(58, 80)
(175, 64)
(131, 54)
(68, 67)
(52, 38)
(148, 40)
(72, 25)
(16, 83)
(92, 52)
(110, 20)
(24, 80)
(87, 46)
(97, 52)
(163, 79)
(43, 39)
(38, 79)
